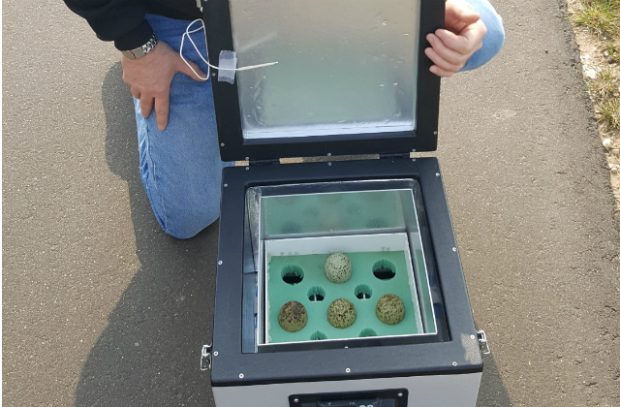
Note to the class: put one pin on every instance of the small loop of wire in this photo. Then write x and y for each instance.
(188, 35)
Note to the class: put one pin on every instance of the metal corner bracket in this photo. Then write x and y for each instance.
(205, 357)
(483, 342)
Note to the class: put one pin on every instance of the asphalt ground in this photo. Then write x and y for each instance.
(100, 308)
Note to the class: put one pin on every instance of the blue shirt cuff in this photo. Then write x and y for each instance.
(493, 41)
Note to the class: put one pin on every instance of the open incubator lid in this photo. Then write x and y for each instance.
(351, 77)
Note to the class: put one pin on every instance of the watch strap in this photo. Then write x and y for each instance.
(142, 50)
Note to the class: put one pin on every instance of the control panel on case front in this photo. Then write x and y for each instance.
(385, 398)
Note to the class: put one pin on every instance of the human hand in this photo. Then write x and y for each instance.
(452, 47)
(149, 79)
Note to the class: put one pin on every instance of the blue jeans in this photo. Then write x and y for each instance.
(181, 167)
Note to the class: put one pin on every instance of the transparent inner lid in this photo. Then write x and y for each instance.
(344, 67)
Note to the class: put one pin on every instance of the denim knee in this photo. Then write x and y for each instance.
(180, 166)
(186, 222)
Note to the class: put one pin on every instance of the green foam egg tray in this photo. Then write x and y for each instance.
(374, 274)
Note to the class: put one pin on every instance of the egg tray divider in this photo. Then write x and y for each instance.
(318, 327)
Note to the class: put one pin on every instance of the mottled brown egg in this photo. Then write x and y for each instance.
(338, 268)
(390, 309)
(341, 313)
(293, 316)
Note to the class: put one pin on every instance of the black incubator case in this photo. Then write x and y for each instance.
(333, 80)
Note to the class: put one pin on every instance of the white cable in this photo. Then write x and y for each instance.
(188, 33)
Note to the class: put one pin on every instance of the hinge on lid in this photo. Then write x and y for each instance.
(263, 162)
(288, 160)
(395, 155)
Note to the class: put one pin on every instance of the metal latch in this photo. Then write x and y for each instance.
(483, 342)
(205, 357)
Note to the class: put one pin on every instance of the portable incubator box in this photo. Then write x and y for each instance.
(351, 79)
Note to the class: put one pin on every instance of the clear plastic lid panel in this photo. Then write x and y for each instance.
(344, 67)
(291, 231)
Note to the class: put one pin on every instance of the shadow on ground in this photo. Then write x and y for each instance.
(492, 390)
(148, 353)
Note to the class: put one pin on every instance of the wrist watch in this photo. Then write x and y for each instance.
(142, 50)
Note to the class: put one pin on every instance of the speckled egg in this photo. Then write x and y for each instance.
(293, 316)
(341, 313)
(338, 268)
(390, 309)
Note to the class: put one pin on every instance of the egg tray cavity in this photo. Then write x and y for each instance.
(302, 278)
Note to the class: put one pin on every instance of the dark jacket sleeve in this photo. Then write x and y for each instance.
(121, 21)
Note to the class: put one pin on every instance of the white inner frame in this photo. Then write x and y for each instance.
(329, 244)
